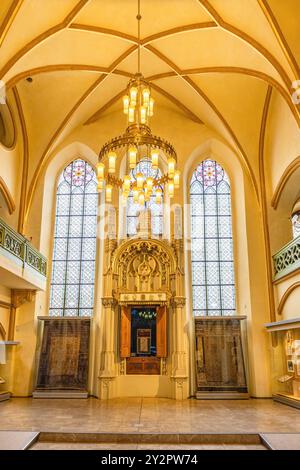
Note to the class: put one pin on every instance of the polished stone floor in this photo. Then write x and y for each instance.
(149, 415)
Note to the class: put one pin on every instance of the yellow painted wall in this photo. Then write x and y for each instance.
(186, 136)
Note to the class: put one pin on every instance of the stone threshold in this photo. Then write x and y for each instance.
(150, 438)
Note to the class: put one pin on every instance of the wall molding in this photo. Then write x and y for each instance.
(283, 181)
(263, 197)
(23, 192)
(265, 7)
(286, 296)
(9, 18)
(7, 196)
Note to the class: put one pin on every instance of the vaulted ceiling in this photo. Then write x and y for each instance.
(212, 61)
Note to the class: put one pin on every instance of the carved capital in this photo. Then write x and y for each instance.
(177, 244)
(108, 302)
(178, 302)
(180, 381)
(110, 244)
(21, 296)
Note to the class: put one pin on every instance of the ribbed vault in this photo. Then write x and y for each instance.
(212, 61)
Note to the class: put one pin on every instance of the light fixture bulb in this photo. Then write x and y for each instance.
(135, 192)
(126, 183)
(140, 180)
(132, 153)
(133, 95)
(171, 167)
(158, 196)
(141, 198)
(154, 159)
(112, 157)
(146, 97)
(108, 193)
(171, 188)
(100, 170)
(149, 183)
(143, 114)
(176, 179)
(125, 104)
(131, 113)
(151, 107)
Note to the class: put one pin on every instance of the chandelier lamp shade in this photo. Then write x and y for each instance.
(137, 143)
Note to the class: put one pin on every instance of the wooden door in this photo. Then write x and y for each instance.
(125, 332)
(161, 331)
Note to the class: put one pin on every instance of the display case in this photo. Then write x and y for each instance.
(285, 340)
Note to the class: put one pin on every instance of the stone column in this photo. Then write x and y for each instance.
(107, 373)
(179, 274)
(179, 357)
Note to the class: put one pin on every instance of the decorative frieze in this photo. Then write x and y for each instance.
(143, 298)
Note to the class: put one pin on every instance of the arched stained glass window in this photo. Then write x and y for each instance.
(211, 241)
(73, 264)
(133, 209)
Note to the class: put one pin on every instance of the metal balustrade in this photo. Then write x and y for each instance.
(18, 246)
(287, 259)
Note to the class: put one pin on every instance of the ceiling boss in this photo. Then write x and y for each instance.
(138, 143)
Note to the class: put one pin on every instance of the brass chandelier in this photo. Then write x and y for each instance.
(138, 143)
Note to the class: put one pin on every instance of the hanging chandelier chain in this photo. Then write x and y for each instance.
(139, 17)
(138, 142)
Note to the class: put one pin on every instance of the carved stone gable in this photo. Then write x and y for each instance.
(143, 266)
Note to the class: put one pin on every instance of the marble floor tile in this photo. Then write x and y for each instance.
(151, 415)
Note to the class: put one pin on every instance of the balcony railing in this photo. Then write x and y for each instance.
(21, 249)
(287, 259)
